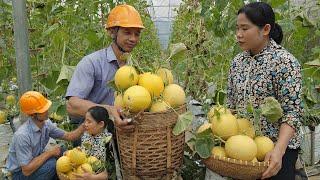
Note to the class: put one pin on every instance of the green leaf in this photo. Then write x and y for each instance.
(66, 73)
(61, 110)
(50, 81)
(203, 147)
(184, 120)
(177, 48)
(271, 109)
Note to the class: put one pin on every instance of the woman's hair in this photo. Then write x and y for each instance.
(99, 114)
(260, 14)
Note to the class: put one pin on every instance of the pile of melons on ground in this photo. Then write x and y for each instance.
(154, 92)
(241, 143)
(74, 161)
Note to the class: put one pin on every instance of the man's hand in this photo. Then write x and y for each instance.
(275, 159)
(122, 124)
(55, 151)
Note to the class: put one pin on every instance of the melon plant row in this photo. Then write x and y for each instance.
(153, 92)
(237, 136)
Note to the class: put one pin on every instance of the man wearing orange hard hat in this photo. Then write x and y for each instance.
(88, 86)
(27, 158)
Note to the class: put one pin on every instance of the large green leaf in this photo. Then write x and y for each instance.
(177, 48)
(184, 120)
(66, 73)
(203, 146)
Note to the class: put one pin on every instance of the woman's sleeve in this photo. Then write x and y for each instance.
(289, 90)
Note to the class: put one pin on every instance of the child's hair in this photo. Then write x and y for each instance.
(260, 14)
(99, 114)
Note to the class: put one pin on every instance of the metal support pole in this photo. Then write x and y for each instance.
(21, 47)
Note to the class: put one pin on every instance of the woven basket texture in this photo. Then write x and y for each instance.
(152, 151)
(236, 169)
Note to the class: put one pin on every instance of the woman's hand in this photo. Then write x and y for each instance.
(274, 158)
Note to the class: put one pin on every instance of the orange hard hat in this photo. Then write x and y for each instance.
(124, 16)
(32, 102)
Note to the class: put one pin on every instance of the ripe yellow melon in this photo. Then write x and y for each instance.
(246, 127)
(264, 145)
(218, 151)
(241, 147)
(77, 156)
(220, 109)
(125, 77)
(3, 117)
(166, 75)
(91, 160)
(67, 153)
(136, 98)
(63, 164)
(10, 100)
(85, 166)
(204, 127)
(118, 101)
(174, 95)
(224, 126)
(159, 106)
(153, 83)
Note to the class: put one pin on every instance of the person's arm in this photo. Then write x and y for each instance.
(289, 96)
(101, 176)
(77, 106)
(36, 162)
(87, 176)
(75, 134)
(275, 156)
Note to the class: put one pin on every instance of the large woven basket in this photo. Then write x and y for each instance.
(151, 151)
(236, 169)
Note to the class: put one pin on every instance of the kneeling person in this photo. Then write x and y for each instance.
(27, 158)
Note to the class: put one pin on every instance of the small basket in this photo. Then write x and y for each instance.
(151, 151)
(62, 176)
(236, 169)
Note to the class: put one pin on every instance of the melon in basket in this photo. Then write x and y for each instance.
(136, 98)
(84, 167)
(125, 77)
(118, 101)
(246, 127)
(159, 106)
(153, 83)
(77, 156)
(63, 164)
(220, 109)
(241, 147)
(174, 95)
(166, 75)
(224, 125)
(219, 151)
(264, 145)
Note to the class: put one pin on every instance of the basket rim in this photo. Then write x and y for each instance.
(236, 161)
(163, 112)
